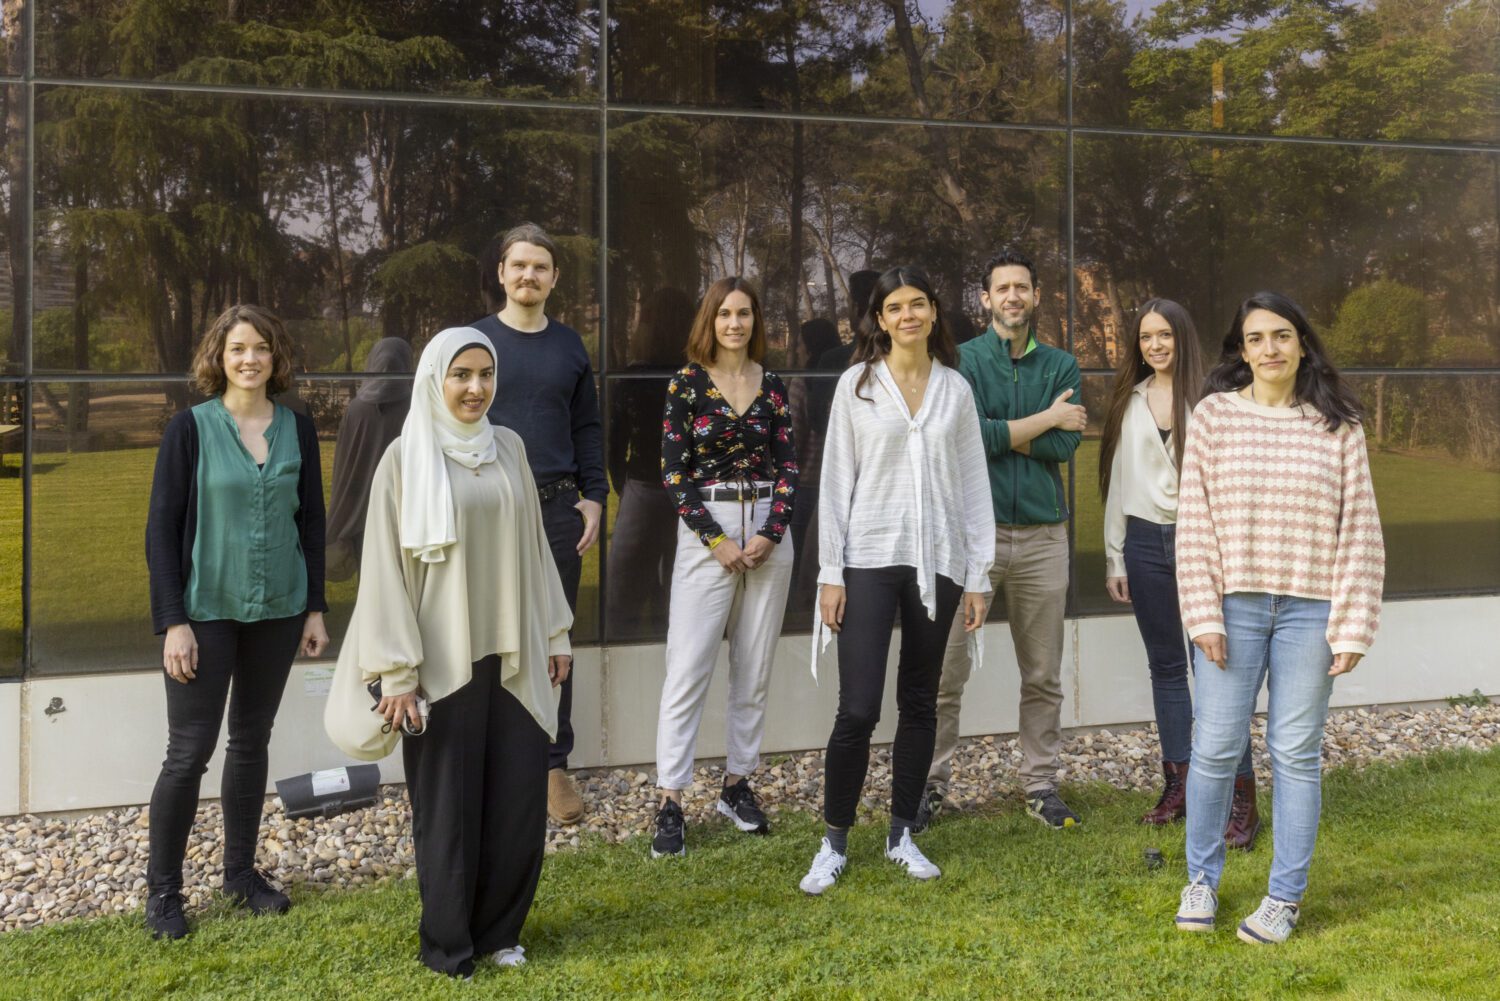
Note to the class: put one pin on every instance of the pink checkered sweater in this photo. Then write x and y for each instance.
(1272, 501)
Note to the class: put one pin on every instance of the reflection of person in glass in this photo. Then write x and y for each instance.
(1027, 394)
(904, 534)
(460, 601)
(1157, 384)
(234, 542)
(1280, 564)
(544, 391)
(644, 534)
(371, 423)
(729, 462)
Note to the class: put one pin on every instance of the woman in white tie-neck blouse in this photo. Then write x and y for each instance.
(905, 529)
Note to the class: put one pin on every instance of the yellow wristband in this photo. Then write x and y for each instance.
(714, 543)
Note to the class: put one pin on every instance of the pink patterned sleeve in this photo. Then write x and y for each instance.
(1359, 558)
(1200, 574)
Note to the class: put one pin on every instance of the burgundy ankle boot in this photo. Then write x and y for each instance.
(1173, 803)
(1244, 818)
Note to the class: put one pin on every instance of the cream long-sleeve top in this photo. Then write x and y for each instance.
(904, 489)
(1273, 501)
(1142, 479)
(496, 591)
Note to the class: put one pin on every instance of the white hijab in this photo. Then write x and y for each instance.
(430, 433)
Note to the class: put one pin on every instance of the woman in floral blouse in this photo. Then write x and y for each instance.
(729, 463)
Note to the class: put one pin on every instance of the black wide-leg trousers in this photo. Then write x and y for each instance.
(478, 784)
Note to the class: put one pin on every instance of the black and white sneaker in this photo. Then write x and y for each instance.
(671, 829)
(1048, 807)
(927, 809)
(740, 804)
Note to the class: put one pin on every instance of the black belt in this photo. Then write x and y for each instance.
(557, 488)
(734, 492)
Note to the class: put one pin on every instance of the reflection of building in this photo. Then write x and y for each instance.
(816, 149)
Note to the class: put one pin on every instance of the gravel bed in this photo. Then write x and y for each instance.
(53, 869)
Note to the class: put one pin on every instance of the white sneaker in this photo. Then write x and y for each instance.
(514, 956)
(825, 870)
(1199, 905)
(907, 854)
(1271, 923)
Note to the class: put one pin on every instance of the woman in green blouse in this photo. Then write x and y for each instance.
(234, 541)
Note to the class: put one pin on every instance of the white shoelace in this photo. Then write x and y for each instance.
(826, 862)
(1276, 915)
(908, 854)
(1198, 896)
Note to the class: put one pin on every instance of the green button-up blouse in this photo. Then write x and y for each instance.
(247, 562)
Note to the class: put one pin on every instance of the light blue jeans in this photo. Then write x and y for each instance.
(1280, 640)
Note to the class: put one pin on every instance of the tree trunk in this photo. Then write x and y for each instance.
(78, 392)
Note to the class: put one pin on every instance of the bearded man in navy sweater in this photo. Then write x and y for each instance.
(544, 391)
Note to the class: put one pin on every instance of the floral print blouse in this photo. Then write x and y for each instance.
(705, 442)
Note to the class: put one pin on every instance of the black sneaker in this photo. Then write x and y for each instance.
(251, 891)
(927, 808)
(1049, 808)
(739, 803)
(670, 828)
(164, 918)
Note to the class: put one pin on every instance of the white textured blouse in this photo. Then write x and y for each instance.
(904, 489)
(1142, 479)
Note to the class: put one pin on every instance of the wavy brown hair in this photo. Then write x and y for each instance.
(702, 345)
(207, 369)
(1187, 381)
(1318, 385)
(872, 344)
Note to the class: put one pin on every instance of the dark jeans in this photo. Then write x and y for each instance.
(1151, 571)
(243, 664)
(478, 785)
(564, 525)
(872, 601)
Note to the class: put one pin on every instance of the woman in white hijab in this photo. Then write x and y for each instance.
(459, 600)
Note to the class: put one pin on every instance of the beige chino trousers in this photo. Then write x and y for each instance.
(1031, 564)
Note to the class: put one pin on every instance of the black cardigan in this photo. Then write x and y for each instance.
(172, 523)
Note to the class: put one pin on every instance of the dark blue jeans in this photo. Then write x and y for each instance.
(563, 524)
(1151, 571)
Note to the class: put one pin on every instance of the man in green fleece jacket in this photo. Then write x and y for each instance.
(1027, 394)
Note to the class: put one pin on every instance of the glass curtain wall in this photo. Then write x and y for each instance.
(345, 166)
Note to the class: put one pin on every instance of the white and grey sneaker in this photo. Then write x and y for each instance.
(514, 956)
(1271, 923)
(826, 867)
(907, 854)
(1199, 905)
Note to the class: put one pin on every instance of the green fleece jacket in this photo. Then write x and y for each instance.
(1025, 489)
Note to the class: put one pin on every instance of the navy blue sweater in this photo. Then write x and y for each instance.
(544, 392)
(172, 521)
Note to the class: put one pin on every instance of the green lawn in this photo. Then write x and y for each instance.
(1404, 903)
(90, 604)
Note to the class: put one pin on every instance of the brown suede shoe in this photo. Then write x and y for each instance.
(1173, 803)
(564, 805)
(1244, 818)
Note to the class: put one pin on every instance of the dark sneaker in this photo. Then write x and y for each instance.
(927, 809)
(670, 830)
(739, 803)
(1048, 807)
(164, 918)
(253, 892)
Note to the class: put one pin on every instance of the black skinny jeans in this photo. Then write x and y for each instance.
(872, 601)
(243, 664)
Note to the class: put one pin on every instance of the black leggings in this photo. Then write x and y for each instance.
(243, 664)
(872, 601)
